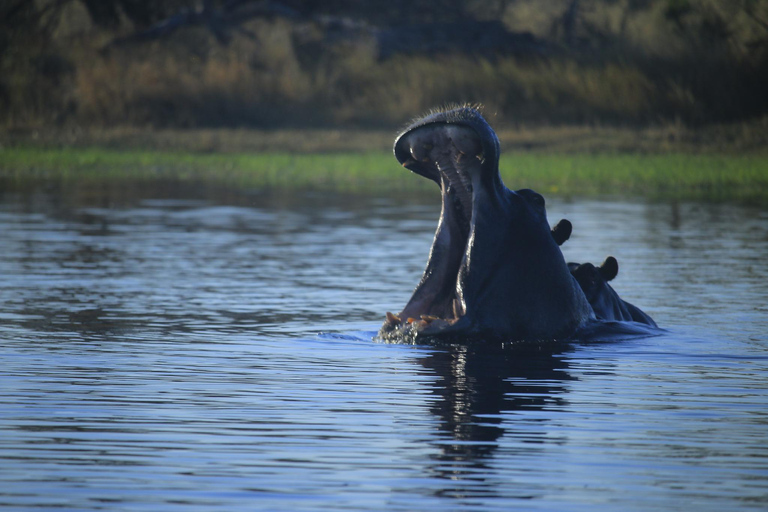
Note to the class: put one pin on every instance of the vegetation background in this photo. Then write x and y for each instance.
(99, 71)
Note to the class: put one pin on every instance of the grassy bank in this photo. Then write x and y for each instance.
(672, 175)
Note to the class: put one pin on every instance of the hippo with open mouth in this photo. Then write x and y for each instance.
(495, 270)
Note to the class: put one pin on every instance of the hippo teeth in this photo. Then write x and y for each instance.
(458, 310)
(424, 320)
(393, 319)
(458, 184)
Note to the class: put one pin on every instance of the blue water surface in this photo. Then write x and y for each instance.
(180, 349)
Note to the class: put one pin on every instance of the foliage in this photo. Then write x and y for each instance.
(602, 62)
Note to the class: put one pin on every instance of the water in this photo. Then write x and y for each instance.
(190, 350)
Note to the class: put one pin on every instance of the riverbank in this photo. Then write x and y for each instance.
(671, 175)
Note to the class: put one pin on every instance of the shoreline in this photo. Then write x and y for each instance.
(745, 137)
(675, 176)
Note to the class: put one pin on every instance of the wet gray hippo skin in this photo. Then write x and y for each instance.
(495, 270)
(604, 300)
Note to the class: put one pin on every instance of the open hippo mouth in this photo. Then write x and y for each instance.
(450, 155)
(490, 244)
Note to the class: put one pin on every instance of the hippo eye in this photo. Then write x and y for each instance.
(538, 200)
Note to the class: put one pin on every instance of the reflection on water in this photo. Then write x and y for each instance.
(475, 385)
(202, 349)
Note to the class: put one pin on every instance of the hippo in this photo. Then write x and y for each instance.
(604, 300)
(495, 270)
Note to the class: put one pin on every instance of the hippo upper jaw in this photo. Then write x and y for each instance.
(482, 278)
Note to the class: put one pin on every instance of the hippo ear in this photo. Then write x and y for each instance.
(610, 268)
(562, 231)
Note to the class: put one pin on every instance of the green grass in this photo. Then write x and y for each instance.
(673, 175)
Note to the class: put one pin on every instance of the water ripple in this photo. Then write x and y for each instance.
(199, 354)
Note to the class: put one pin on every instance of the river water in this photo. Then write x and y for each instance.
(180, 349)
